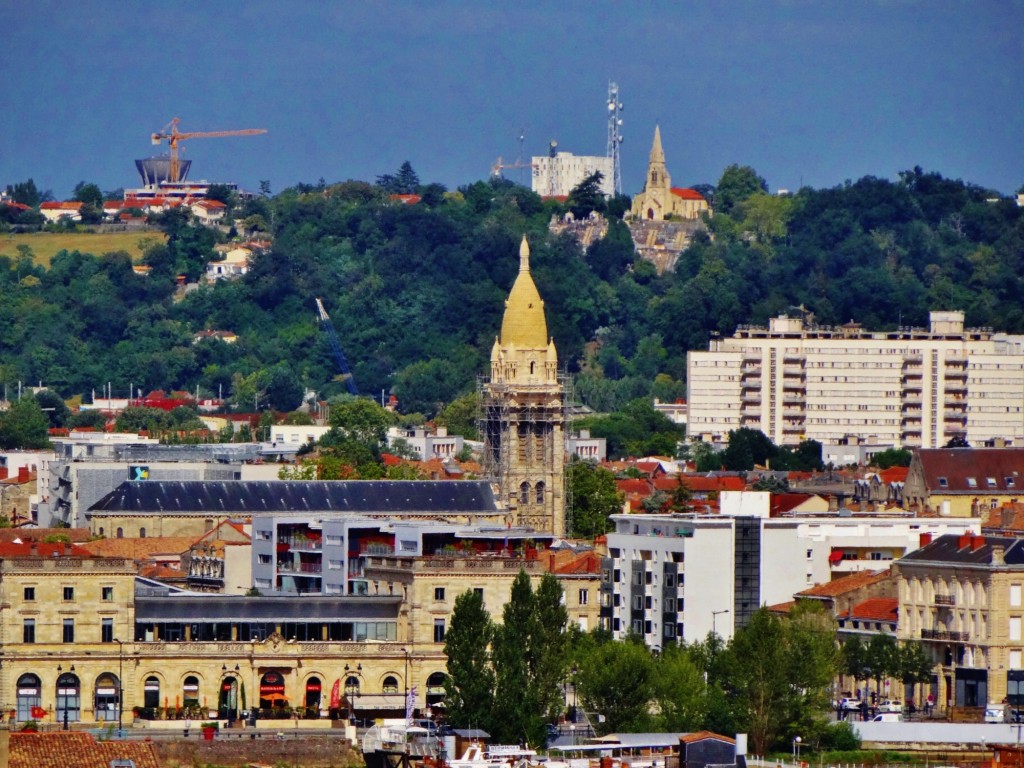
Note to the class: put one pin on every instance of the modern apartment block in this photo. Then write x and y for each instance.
(910, 387)
(556, 175)
(670, 578)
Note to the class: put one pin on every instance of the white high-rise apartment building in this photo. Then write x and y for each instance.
(556, 176)
(912, 387)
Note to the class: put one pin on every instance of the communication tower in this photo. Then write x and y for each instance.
(615, 135)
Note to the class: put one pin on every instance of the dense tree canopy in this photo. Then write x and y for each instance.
(416, 292)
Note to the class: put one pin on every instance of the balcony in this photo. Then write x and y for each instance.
(945, 600)
(301, 542)
(942, 634)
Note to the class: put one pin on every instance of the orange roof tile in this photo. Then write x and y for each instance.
(845, 584)
(874, 609)
(689, 738)
(69, 748)
(894, 474)
(687, 194)
(41, 549)
(138, 548)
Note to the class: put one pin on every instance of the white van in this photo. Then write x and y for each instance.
(888, 717)
(995, 713)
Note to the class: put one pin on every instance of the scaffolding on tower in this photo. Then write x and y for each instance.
(615, 135)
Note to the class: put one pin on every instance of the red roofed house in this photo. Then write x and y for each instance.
(54, 211)
(209, 211)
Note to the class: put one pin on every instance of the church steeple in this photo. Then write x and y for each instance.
(523, 324)
(657, 153)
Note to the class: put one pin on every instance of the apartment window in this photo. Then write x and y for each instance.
(1015, 627)
(479, 592)
(28, 631)
(584, 597)
(107, 631)
(438, 630)
(1015, 595)
(265, 535)
(334, 565)
(810, 553)
(264, 559)
(670, 579)
(69, 631)
(637, 626)
(670, 605)
(108, 594)
(638, 603)
(30, 594)
(69, 593)
(647, 628)
(439, 593)
(648, 602)
(670, 630)
(972, 482)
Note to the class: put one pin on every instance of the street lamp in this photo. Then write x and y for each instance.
(714, 620)
(120, 684)
(405, 682)
(796, 748)
(352, 690)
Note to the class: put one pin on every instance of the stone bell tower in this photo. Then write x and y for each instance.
(523, 411)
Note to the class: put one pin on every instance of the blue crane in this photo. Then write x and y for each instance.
(339, 356)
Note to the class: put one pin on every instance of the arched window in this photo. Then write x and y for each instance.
(190, 691)
(151, 693)
(313, 690)
(540, 493)
(142, 533)
(390, 684)
(69, 702)
(435, 688)
(105, 697)
(120, 532)
(30, 697)
(650, 213)
(532, 363)
(524, 493)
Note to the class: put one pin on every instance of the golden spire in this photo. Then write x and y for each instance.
(524, 325)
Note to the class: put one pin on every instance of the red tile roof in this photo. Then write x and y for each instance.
(407, 199)
(687, 194)
(874, 609)
(68, 749)
(786, 502)
(65, 206)
(845, 584)
(894, 474)
(689, 738)
(40, 549)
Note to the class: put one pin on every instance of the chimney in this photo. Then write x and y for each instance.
(22, 474)
(3, 473)
(964, 541)
(925, 539)
(997, 555)
(977, 542)
(833, 504)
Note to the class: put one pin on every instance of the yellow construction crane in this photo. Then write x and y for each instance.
(499, 166)
(174, 137)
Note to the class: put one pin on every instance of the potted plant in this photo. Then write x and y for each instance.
(210, 729)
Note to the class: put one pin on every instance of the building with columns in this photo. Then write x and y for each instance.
(524, 412)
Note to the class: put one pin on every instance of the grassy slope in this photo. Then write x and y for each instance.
(45, 244)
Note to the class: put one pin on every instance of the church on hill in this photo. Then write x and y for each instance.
(659, 200)
(523, 413)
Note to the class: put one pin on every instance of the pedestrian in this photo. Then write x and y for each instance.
(188, 725)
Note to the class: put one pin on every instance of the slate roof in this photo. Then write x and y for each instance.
(186, 607)
(958, 465)
(391, 497)
(81, 750)
(968, 550)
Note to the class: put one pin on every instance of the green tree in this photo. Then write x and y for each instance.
(88, 193)
(515, 705)
(54, 407)
(738, 183)
(587, 196)
(617, 679)
(915, 665)
(747, 448)
(460, 415)
(469, 685)
(26, 193)
(680, 691)
(882, 658)
(595, 497)
(24, 425)
(892, 457)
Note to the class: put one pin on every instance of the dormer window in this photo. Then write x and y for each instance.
(1009, 482)
(991, 482)
(943, 482)
(972, 482)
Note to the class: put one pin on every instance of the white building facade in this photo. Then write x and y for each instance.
(556, 176)
(912, 387)
(674, 578)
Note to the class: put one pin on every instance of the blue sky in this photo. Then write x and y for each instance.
(805, 92)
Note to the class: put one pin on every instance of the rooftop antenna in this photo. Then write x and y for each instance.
(615, 135)
(519, 160)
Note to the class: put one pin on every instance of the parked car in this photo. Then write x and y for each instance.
(849, 704)
(995, 713)
(891, 705)
(888, 717)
